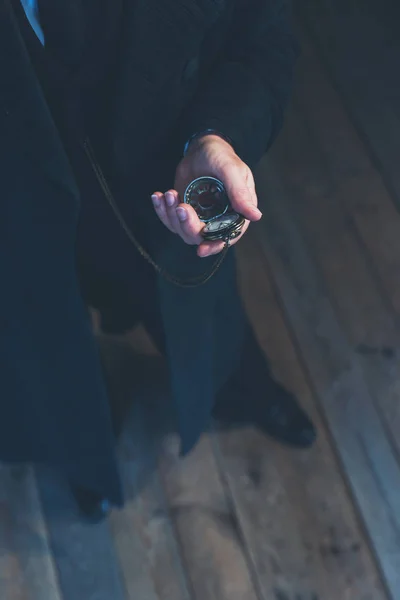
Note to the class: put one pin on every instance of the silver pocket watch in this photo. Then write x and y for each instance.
(208, 197)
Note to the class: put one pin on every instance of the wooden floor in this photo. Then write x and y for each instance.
(243, 518)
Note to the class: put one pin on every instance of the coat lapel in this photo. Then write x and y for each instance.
(23, 109)
(160, 38)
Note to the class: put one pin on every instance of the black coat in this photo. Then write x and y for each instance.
(185, 66)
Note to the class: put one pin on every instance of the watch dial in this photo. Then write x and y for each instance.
(221, 223)
(208, 197)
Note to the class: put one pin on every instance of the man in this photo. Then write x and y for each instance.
(99, 102)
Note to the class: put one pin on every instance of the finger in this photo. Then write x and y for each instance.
(209, 249)
(253, 194)
(161, 210)
(172, 201)
(241, 193)
(190, 224)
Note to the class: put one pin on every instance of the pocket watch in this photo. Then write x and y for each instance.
(208, 197)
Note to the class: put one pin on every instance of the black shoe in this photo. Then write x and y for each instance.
(273, 410)
(92, 507)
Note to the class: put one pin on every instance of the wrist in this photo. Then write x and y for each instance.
(207, 136)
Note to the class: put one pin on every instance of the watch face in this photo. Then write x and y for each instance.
(221, 223)
(208, 197)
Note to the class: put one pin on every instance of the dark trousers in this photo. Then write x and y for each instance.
(126, 301)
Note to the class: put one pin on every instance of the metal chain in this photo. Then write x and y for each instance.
(188, 283)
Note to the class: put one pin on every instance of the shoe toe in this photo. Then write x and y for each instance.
(92, 507)
(286, 421)
(98, 512)
(307, 436)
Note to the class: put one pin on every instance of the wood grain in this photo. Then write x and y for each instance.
(360, 45)
(367, 456)
(207, 527)
(297, 517)
(149, 556)
(209, 539)
(84, 554)
(356, 180)
(351, 240)
(27, 569)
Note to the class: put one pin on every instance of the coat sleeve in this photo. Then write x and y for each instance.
(244, 97)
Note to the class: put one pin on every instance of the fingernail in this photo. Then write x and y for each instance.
(182, 214)
(257, 212)
(156, 201)
(170, 199)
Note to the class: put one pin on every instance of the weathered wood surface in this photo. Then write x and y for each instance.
(335, 369)
(298, 520)
(148, 552)
(355, 230)
(27, 566)
(361, 47)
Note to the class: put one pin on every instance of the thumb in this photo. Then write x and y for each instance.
(241, 192)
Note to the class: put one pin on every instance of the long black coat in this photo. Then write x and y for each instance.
(186, 66)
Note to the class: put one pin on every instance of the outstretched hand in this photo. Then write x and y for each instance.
(212, 156)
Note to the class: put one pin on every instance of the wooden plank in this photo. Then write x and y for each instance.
(334, 166)
(370, 325)
(358, 183)
(298, 520)
(372, 470)
(360, 43)
(27, 570)
(144, 539)
(84, 554)
(135, 554)
(211, 540)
